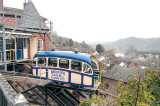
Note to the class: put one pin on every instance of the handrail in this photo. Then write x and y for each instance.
(21, 53)
(1, 57)
(10, 57)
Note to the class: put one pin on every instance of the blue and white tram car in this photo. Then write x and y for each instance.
(67, 67)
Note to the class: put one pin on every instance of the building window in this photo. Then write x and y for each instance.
(40, 45)
(1, 43)
(19, 43)
(107, 86)
(10, 44)
(25, 43)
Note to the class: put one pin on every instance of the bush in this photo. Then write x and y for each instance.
(94, 99)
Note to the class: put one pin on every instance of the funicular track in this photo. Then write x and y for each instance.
(44, 92)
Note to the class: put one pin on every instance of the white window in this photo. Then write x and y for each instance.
(40, 45)
(25, 43)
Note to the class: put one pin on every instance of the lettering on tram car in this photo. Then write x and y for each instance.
(58, 75)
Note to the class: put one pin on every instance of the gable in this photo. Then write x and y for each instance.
(31, 18)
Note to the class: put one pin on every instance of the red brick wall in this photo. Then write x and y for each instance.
(112, 89)
(9, 20)
(46, 40)
(1, 4)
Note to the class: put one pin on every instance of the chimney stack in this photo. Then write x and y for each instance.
(1, 5)
(24, 4)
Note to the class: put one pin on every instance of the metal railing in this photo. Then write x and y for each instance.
(97, 80)
(1, 56)
(9, 96)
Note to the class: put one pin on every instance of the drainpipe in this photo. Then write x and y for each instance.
(1, 5)
(24, 4)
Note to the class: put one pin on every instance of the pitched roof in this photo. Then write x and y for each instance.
(12, 11)
(119, 72)
(31, 18)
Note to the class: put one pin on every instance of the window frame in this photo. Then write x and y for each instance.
(41, 48)
(69, 68)
(35, 65)
(10, 44)
(19, 43)
(90, 68)
(94, 64)
(106, 86)
(25, 41)
(81, 71)
(46, 62)
(53, 66)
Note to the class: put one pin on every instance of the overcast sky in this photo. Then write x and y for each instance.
(99, 20)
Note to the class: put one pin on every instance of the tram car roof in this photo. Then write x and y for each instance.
(66, 54)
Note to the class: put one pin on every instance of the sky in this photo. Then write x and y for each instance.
(99, 20)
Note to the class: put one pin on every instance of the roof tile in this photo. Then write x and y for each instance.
(119, 72)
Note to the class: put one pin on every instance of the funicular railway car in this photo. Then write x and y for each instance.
(67, 67)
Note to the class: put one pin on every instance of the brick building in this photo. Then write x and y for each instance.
(110, 78)
(23, 32)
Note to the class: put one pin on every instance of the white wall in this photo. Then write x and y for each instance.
(33, 47)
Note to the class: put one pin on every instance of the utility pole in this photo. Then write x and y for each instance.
(4, 45)
(50, 34)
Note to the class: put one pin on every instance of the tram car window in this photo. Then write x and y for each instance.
(87, 69)
(42, 62)
(52, 62)
(64, 63)
(94, 65)
(34, 62)
(76, 65)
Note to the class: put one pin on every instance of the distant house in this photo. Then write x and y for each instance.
(94, 52)
(24, 31)
(101, 58)
(110, 78)
(122, 64)
(133, 65)
(120, 55)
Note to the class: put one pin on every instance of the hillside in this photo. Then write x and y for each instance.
(63, 41)
(139, 43)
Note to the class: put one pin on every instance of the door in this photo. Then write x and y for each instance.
(19, 48)
(33, 47)
(25, 48)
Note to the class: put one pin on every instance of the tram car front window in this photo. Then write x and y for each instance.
(87, 69)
